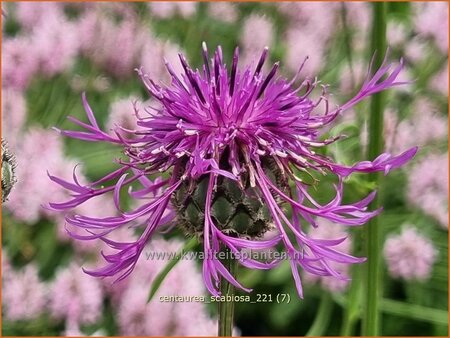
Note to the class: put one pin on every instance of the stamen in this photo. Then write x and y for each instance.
(281, 153)
(217, 63)
(268, 79)
(191, 78)
(205, 60)
(233, 70)
(261, 62)
(190, 132)
(174, 75)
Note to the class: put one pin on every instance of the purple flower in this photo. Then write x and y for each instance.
(230, 146)
(328, 230)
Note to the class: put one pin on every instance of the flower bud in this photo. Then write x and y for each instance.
(236, 209)
(8, 169)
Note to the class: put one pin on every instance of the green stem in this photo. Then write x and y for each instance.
(352, 309)
(347, 43)
(226, 309)
(371, 316)
(320, 324)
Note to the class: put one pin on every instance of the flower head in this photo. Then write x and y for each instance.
(409, 255)
(166, 9)
(14, 116)
(231, 146)
(76, 297)
(37, 149)
(427, 187)
(24, 295)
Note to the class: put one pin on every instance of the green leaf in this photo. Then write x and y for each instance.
(414, 311)
(323, 316)
(163, 274)
(407, 310)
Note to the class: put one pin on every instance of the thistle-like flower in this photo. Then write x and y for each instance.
(230, 146)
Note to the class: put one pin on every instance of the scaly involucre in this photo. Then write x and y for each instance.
(218, 125)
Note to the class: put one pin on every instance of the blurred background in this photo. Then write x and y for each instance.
(52, 52)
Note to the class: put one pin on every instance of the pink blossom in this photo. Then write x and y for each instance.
(257, 33)
(395, 131)
(440, 81)
(359, 18)
(153, 56)
(407, 79)
(396, 33)
(352, 75)
(18, 64)
(187, 8)
(88, 28)
(122, 113)
(136, 317)
(430, 125)
(6, 266)
(426, 124)
(133, 316)
(223, 11)
(427, 187)
(126, 36)
(55, 44)
(311, 26)
(48, 45)
(163, 9)
(359, 15)
(292, 9)
(432, 21)
(76, 296)
(166, 9)
(32, 14)
(300, 45)
(13, 115)
(416, 50)
(100, 37)
(309, 14)
(39, 150)
(24, 295)
(73, 330)
(409, 255)
(84, 83)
